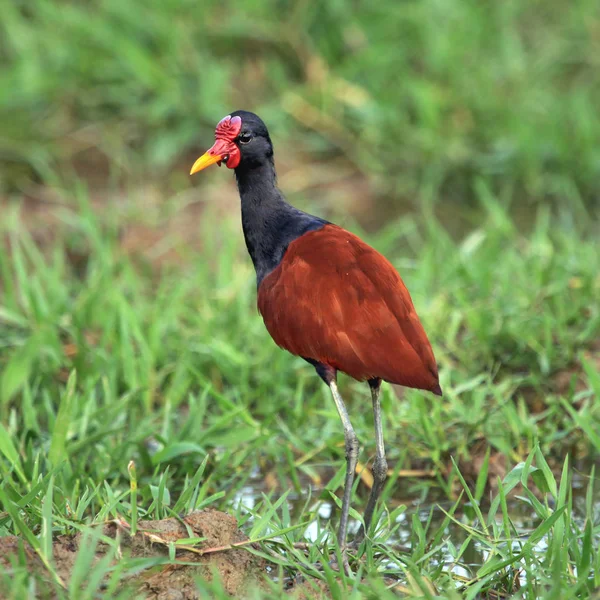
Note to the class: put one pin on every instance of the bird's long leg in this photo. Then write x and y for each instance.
(351, 443)
(380, 465)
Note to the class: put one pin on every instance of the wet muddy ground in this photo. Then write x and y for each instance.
(209, 542)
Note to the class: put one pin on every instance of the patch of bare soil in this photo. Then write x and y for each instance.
(159, 236)
(221, 552)
(564, 381)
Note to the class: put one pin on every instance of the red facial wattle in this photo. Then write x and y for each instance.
(227, 130)
(224, 149)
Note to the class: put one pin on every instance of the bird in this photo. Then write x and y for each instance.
(325, 296)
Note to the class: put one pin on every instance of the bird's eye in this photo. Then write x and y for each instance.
(244, 138)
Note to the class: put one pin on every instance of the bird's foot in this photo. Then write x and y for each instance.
(333, 563)
(354, 544)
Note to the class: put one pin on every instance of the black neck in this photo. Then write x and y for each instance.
(270, 224)
(260, 179)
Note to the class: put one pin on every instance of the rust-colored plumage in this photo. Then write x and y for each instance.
(336, 300)
(324, 295)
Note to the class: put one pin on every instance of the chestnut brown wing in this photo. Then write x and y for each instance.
(336, 300)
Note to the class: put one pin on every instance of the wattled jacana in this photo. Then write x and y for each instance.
(324, 294)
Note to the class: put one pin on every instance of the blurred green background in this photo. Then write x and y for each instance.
(421, 98)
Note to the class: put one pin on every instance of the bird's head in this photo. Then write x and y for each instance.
(242, 140)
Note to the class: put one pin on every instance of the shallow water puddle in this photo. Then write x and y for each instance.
(431, 515)
(208, 540)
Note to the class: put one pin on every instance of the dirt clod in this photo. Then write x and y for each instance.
(217, 552)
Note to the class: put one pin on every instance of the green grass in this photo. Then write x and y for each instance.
(117, 361)
(423, 97)
(137, 380)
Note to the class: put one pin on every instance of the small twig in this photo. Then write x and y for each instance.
(301, 546)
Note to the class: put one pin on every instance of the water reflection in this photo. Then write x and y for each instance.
(462, 562)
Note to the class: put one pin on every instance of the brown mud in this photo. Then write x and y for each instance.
(220, 552)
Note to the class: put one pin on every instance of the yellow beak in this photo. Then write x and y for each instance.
(206, 160)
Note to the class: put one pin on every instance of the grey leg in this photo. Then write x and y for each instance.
(351, 459)
(380, 465)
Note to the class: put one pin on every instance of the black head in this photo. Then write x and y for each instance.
(242, 142)
(253, 140)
